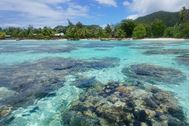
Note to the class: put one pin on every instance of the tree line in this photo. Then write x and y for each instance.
(124, 29)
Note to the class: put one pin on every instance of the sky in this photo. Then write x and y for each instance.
(39, 13)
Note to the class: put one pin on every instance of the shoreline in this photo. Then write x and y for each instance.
(106, 39)
(162, 39)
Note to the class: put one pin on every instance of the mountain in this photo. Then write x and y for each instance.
(169, 18)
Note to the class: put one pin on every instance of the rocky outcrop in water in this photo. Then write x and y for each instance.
(4, 111)
(153, 74)
(121, 105)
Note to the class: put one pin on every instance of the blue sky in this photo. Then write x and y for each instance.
(56, 12)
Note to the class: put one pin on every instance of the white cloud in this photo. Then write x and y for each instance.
(107, 2)
(126, 3)
(144, 7)
(75, 10)
(47, 12)
(103, 26)
(132, 16)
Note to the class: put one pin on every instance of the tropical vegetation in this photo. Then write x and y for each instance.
(153, 25)
(139, 31)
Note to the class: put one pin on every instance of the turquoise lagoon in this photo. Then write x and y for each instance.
(46, 110)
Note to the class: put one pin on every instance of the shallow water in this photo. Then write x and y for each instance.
(47, 110)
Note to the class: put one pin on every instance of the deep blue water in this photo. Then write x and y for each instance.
(40, 79)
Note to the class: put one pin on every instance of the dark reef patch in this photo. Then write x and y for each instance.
(53, 49)
(99, 45)
(183, 59)
(153, 74)
(166, 51)
(146, 47)
(82, 82)
(121, 105)
(105, 45)
(37, 49)
(12, 49)
(70, 65)
(101, 49)
(162, 43)
(31, 81)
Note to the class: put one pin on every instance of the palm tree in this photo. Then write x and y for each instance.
(183, 14)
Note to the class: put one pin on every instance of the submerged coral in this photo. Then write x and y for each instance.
(82, 82)
(5, 110)
(121, 105)
(99, 45)
(37, 49)
(71, 65)
(53, 49)
(166, 51)
(39, 92)
(183, 59)
(153, 74)
(4, 93)
(31, 81)
(144, 47)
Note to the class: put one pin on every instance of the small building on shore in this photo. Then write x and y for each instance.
(59, 34)
(7, 36)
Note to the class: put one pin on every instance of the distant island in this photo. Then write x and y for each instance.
(155, 25)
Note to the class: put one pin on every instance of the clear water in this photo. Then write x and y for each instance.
(13, 53)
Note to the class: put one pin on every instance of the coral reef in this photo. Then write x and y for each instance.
(153, 74)
(122, 105)
(183, 59)
(31, 81)
(166, 51)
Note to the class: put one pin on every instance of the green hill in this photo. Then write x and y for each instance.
(169, 18)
